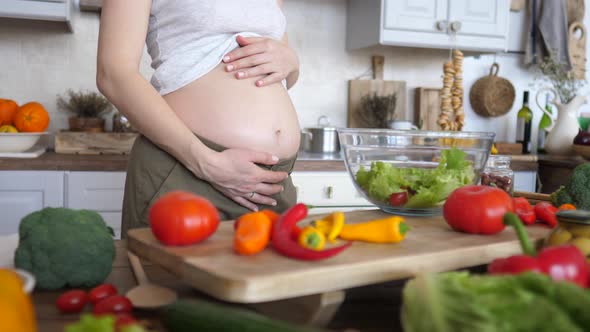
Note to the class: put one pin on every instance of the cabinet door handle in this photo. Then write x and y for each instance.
(441, 25)
(455, 26)
(330, 192)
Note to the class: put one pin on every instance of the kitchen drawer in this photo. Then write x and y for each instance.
(24, 192)
(327, 189)
(98, 191)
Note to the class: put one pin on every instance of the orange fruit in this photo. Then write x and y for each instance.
(8, 109)
(31, 118)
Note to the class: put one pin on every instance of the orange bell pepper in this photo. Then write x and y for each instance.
(16, 309)
(252, 234)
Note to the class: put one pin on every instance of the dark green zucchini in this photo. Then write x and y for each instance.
(201, 316)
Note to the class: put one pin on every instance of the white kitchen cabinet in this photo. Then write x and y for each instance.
(471, 25)
(328, 191)
(98, 191)
(43, 10)
(525, 181)
(23, 192)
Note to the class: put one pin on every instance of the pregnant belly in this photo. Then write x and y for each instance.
(237, 114)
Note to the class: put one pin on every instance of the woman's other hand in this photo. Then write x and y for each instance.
(259, 56)
(234, 173)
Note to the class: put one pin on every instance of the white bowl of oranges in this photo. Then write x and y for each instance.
(21, 127)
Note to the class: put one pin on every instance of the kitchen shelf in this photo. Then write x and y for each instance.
(41, 10)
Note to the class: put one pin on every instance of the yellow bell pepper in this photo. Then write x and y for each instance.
(312, 238)
(494, 149)
(387, 230)
(331, 226)
(16, 309)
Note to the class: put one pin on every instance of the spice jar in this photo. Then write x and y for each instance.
(573, 228)
(497, 173)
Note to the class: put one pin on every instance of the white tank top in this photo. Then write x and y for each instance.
(187, 38)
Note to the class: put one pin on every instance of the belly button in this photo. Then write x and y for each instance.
(278, 132)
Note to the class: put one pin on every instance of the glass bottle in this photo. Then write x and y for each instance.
(524, 122)
(497, 173)
(544, 124)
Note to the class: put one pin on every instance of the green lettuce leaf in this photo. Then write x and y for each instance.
(459, 302)
(431, 186)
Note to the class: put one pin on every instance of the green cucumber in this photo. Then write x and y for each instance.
(196, 315)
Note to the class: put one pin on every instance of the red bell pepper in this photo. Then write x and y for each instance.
(545, 212)
(283, 242)
(562, 263)
(524, 210)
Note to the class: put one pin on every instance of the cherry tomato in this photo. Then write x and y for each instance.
(398, 199)
(124, 319)
(182, 218)
(72, 301)
(101, 292)
(477, 209)
(113, 305)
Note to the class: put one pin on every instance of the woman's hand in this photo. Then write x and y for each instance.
(235, 174)
(260, 56)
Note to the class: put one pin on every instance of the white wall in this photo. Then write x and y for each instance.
(40, 60)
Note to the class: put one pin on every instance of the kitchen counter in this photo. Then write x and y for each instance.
(51, 161)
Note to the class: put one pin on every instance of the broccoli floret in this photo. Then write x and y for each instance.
(576, 190)
(561, 196)
(65, 247)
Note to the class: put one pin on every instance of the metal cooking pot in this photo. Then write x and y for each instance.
(320, 139)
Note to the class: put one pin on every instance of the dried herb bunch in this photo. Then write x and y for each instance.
(84, 104)
(560, 77)
(377, 110)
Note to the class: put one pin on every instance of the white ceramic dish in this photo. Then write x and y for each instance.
(8, 245)
(28, 280)
(18, 142)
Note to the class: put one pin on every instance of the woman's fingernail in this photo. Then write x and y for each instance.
(229, 67)
(274, 203)
(241, 74)
(226, 58)
(275, 158)
(259, 83)
(282, 189)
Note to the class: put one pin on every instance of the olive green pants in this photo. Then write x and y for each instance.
(152, 172)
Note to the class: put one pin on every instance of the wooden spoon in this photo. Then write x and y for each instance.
(146, 295)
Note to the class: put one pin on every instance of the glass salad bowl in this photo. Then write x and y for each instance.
(412, 172)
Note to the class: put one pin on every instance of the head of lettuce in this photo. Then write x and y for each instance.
(460, 302)
(64, 247)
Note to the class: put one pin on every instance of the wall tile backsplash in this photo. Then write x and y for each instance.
(41, 60)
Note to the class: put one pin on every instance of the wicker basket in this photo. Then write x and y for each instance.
(492, 96)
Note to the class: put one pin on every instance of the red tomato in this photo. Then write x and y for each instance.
(113, 305)
(477, 209)
(182, 218)
(72, 301)
(124, 320)
(398, 199)
(101, 292)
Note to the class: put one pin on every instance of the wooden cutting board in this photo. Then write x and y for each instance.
(430, 245)
(357, 89)
(427, 108)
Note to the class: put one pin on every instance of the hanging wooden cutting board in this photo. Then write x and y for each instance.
(427, 108)
(357, 89)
